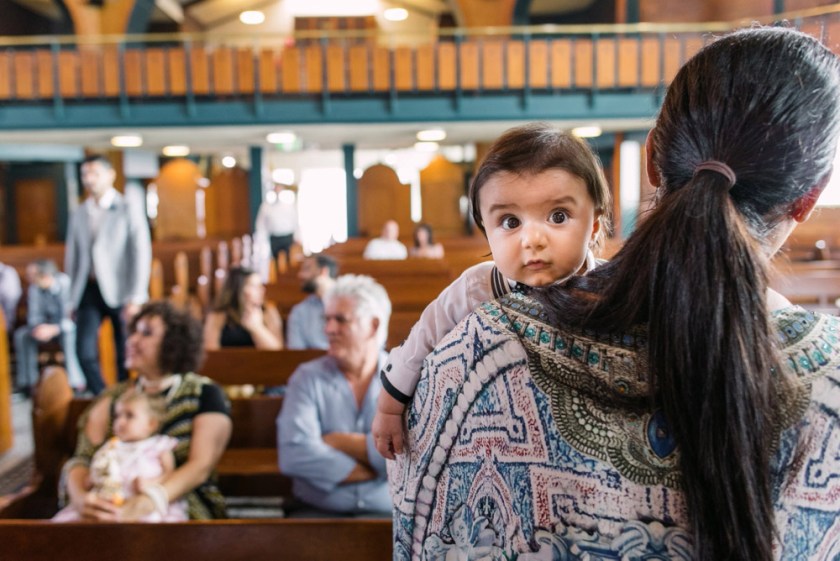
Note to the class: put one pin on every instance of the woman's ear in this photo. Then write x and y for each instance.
(802, 207)
(652, 172)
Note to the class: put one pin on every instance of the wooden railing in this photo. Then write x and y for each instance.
(130, 68)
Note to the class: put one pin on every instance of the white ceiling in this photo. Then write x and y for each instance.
(236, 140)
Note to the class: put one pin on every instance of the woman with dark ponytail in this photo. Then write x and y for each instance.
(667, 404)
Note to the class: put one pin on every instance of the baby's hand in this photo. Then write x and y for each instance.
(387, 432)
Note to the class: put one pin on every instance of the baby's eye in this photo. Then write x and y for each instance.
(510, 222)
(558, 217)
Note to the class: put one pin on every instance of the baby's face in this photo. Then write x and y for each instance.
(538, 226)
(133, 421)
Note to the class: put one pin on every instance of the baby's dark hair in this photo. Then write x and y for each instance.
(537, 147)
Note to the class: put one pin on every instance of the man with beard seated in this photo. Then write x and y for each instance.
(305, 327)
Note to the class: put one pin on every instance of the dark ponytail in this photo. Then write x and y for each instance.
(764, 102)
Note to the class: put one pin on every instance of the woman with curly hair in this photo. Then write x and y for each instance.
(164, 348)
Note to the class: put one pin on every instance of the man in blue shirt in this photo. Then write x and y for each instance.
(305, 326)
(324, 429)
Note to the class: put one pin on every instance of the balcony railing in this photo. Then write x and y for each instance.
(189, 68)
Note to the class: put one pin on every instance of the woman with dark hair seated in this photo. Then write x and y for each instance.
(164, 348)
(241, 318)
(667, 405)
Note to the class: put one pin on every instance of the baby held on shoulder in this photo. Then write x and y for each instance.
(541, 199)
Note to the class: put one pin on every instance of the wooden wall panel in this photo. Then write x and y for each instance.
(359, 66)
(200, 71)
(244, 71)
(673, 58)
(90, 60)
(156, 79)
(515, 64)
(133, 68)
(177, 59)
(538, 63)
(584, 51)
(629, 51)
(561, 63)
(441, 188)
(425, 74)
(24, 66)
(5, 75)
(468, 52)
(269, 72)
(44, 65)
(111, 69)
(313, 58)
(446, 68)
(492, 64)
(290, 70)
(382, 197)
(336, 68)
(650, 73)
(381, 69)
(606, 63)
(68, 73)
(404, 68)
(222, 71)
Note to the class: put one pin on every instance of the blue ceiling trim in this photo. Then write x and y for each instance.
(141, 15)
(342, 109)
(522, 12)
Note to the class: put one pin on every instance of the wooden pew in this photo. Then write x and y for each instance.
(218, 540)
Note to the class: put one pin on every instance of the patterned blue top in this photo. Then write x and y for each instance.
(527, 442)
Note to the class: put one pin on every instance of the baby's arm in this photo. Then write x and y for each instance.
(400, 376)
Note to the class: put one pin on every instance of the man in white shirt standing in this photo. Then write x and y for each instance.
(387, 245)
(108, 257)
(277, 221)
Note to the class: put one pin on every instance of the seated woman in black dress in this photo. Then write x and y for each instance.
(241, 318)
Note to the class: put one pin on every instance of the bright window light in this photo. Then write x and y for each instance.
(322, 208)
(831, 195)
(426, 146)
(396, 14)
(252, 17)
(334, 8)
(285, 176)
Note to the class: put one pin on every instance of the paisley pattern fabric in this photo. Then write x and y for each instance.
(530, 443)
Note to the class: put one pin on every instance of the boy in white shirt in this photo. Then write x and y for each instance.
(542, 201)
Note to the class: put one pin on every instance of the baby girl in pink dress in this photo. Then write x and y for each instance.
(135, 460)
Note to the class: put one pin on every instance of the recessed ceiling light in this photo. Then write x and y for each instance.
(127, 140)
(431, 135)
(252, 17)
(587, 132)
(396, 14)
(176, 151)
(426, 146)
(281, 137)
(229, 161)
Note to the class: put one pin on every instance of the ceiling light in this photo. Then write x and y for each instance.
(282, 137)
(127, 141)
(396, 14)
(431, 135)
(176, 151)
(587, 132)
(426, 146)
(252, 17)
(229, 161)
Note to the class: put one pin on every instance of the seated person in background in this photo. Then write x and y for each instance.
(48, 317)
(323, 431)
(241, 318)
(135, 459)
(305, 326)
(424, 244)
(10, 291)
(164, 348)
(388, 245)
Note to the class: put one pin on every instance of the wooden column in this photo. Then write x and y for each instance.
(6, 430)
